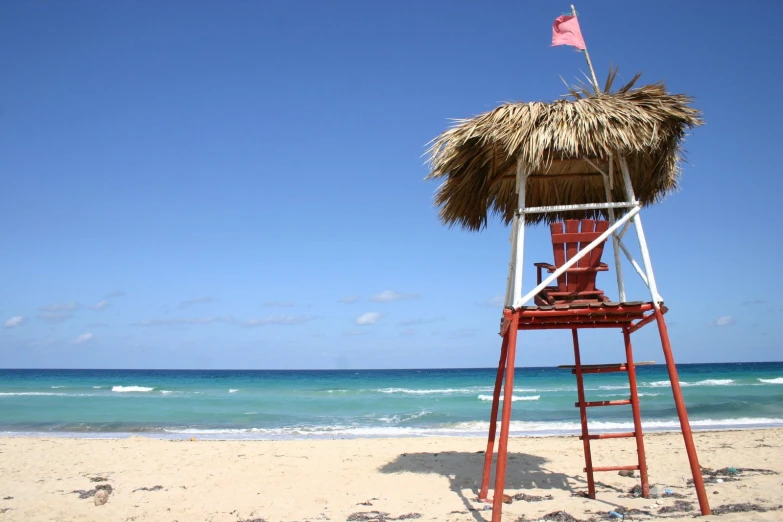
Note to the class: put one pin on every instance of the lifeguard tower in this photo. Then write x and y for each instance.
(586, 166)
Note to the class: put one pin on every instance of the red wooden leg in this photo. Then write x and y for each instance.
(637, 416)
(493, 419)
(580, 390)
(682, 413)
(508, 391)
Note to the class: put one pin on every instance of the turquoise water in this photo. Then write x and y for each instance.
(371, 403)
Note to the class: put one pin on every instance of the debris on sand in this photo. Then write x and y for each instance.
(741, 508)
(101, 497)
(379, 516)
(555, 516)
(531, 498)
(679, 506)
(98, 479)
(89, 493)
(153, 488)
(633, 511)
(730, 474)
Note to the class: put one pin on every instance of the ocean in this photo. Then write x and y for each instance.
(261, 404)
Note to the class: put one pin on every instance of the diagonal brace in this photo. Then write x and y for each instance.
(579, 255)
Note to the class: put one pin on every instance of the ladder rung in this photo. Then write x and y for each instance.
(605, 403)
(610, 436)
(615, 468)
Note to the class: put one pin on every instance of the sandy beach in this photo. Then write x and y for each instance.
(338, 480)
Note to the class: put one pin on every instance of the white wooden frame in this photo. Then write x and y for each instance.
(631, 207)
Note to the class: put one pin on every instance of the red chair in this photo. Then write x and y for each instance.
(577, 284)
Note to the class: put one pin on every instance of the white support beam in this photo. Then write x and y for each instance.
(618, 266)
(584, 206)
(579, 255)
(656, 297)
(519, 247)
(509, 300)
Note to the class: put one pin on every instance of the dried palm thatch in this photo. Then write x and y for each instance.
(478, 156)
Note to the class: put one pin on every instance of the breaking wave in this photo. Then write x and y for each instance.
(128, 389)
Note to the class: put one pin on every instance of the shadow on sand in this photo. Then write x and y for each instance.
(524, 471)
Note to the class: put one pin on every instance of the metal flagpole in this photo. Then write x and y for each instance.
(587, 55)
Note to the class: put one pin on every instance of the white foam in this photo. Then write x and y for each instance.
(97, 387)
(778, 380)
(648, 394)
(436, 391)
(166, 392)
(127, 389)
(615, 387)
(709, 382)
(397, 419)
(233, 390)
(706, 382)
(474, 428)
(514, 398)
(55, 387)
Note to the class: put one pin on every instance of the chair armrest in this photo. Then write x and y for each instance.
(539, 266)
(602, 267)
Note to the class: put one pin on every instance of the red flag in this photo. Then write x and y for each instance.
(566, 31)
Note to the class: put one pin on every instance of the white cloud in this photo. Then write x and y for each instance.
(725, 320)
(390, 295)
(368, 318)
(115, 293)
(100, 305)
(13, 322)
(196, 300)
(63, 307)
(350, 299)
(83, 338)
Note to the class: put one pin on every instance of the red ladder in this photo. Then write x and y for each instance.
(580, 370)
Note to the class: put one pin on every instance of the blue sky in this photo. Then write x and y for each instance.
(240, 184)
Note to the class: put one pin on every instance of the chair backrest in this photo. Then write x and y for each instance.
(567, 240)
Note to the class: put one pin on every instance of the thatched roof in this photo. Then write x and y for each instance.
(477, 157)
